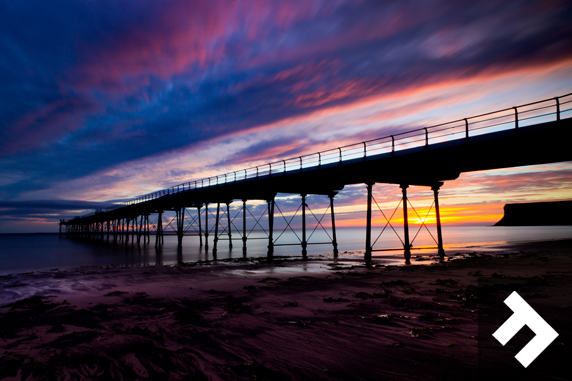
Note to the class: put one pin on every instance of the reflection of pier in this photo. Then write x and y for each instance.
(535, 133)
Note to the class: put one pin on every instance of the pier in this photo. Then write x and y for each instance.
(530, 134)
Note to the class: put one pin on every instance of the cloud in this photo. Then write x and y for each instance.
(92, 87)
(50, 209)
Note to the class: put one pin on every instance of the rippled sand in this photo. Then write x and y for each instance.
(291, 319)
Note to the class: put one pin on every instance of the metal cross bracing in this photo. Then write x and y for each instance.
(222, 228)
(121, 229)
(165, 225)
(535, 133)
(303, 238)
(406, 242)
(131, 229)
(186, 224)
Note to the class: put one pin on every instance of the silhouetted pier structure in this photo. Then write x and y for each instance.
(530, 134)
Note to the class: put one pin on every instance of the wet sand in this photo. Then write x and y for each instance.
(291, 319)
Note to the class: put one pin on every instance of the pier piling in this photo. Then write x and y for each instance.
(304, 242)
(440, 249)
(334, 240)
(215, 241)
(406, 244)
(367, 255)
(270, 253)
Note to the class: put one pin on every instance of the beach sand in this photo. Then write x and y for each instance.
(291, 319)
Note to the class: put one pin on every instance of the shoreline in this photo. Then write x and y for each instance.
(292, 319)
(45, 252)
(315, 264)
(390, 258)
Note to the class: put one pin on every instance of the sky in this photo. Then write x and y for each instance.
(102, 101)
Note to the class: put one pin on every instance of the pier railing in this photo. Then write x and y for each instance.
(546, 110)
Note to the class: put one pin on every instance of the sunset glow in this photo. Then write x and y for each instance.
(104, 102)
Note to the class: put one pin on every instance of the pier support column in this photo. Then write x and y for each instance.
(60, 228)
(334, 241)
(200, 227)
(406, 244)
(130, 223)
(159, 234)
(440, 250)
(304, 242)
(229, 229)
(180, 226)
(367, 255)
(216, 230)
(206, 226)
(133, 230)
(244, 238)
(270, 253)
(140, 232)
(108, 226)
(147, 229)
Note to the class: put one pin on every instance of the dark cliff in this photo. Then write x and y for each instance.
(537, 214)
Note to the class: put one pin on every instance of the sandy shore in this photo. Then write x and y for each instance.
(291, 319)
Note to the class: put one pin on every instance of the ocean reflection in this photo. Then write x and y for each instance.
(30, 252)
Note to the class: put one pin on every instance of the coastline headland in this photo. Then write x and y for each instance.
(537, 214)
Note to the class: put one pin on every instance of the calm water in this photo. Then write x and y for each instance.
(32, 252)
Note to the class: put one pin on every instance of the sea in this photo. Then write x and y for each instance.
(38, 252)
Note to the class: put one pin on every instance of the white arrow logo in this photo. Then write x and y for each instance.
(523, 315)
